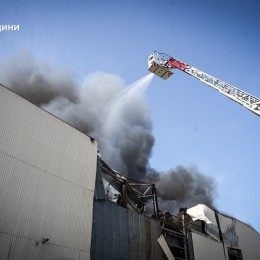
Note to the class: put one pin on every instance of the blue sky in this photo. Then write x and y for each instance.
(192, 123)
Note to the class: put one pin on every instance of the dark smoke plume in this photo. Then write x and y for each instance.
(123, 131)
(37, 82)
(182, 187)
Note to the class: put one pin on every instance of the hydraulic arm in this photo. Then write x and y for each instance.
(162, 65)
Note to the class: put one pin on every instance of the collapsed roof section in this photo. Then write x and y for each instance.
(127, 192)
(134, 195)
(176, 223)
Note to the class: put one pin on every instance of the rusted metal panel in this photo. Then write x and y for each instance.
(143, 235)
(119, 233)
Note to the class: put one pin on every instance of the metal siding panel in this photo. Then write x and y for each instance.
(34, 136)
(143, 235)
(142, 243)
(13, 248)
(207, 248)
(133, 235)
(37, 205)
(148, 238)
(249, 241)
(99, 186)
(26, 249)
(228, 230)
(110, 234)
(119, 233)
(5, 242)
(156, 252)
(47, 177)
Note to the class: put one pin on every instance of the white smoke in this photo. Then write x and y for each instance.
(126, 130)
(93, 97)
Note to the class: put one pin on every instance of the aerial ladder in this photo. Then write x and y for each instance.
(163, 65)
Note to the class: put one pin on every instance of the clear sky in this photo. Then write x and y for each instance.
(192, 123)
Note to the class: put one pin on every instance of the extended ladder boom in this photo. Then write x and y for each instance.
(162, 65)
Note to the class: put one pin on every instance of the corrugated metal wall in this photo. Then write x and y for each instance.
(109, 235)
(119, 233)
(47, 178)
(143, 233)
(206, 248)
(240, 235)
(249, 241)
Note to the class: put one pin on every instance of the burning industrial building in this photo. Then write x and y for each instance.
(118, 117)
(76, 181)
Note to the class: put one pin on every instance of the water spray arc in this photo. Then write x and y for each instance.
(117, 116)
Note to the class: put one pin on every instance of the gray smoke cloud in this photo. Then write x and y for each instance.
(120, 123)
(37, 82)
(183, 187)
(127, 138)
